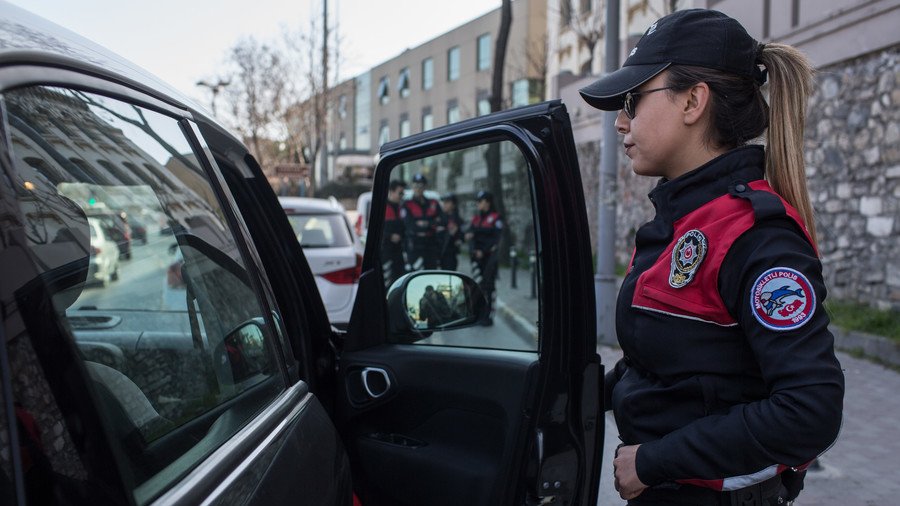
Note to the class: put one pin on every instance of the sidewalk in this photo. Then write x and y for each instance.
(862, 466)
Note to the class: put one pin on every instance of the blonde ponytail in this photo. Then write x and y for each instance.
(790, 84)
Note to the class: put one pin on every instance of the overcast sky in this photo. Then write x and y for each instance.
(183, 41)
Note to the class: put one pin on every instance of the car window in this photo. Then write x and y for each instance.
(170, 337)
(474, 215)
(320, 230)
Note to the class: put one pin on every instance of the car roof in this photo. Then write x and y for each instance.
(311, 205)
(28, 39)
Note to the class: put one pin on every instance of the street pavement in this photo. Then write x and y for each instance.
(862, 468)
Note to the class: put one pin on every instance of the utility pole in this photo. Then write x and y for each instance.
(605, 277)
(215, 88)
(324, 133)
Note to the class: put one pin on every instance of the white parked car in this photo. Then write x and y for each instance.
(331, 248)
(104, 261)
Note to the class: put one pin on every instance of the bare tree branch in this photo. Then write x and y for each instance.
(258, 92)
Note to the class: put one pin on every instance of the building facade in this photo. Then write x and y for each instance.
(448, 78)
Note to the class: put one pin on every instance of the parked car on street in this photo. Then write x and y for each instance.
(233, 388)
(104, 259)
(138, 230)
(116, 226)
(331, 248)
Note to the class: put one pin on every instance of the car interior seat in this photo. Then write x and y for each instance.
(132, 416)
(313, 237)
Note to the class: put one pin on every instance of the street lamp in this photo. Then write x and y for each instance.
(215, 88)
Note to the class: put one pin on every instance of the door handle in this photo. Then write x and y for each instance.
(376, 381)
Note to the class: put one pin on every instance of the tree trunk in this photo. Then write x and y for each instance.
(492, 155)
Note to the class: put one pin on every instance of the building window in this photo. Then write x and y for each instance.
(453, 63)
(342, 106)
(427, 119)
(427, 73)
(384, 134)
(586, 6)
(384, 90)
(484, 52)
(565, 13)
(404, 126)
(362, 112)
(520, 93)
(452, 111)
(403, 83)
(483, 106)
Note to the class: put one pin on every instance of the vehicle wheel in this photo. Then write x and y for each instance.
(115, 275)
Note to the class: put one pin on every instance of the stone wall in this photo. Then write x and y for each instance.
(853, 167)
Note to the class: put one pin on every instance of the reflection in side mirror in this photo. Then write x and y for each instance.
(425, 301)
(244, 351)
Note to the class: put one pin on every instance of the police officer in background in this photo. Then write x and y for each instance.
(423, 219)
(392, 262)
(484, 235)
(452, 236)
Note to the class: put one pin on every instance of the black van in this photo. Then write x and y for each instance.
(230, 386)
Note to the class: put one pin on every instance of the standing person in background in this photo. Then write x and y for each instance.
(434, 308)
(423, 220)
(452, 236)
(729, 386)
(484, 235)
(393, 263)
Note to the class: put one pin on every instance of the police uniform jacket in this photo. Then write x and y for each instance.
(425, 210)
(393, 224)
(729, 375)
(486, 229)
(453, 240)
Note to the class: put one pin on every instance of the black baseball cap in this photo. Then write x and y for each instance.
(420, 178)
(485, 195)
(698, 37)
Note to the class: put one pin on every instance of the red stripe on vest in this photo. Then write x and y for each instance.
(722, 221)
(416, 210)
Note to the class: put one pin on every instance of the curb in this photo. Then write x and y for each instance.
(520, 325)
(873, 347)
(878, 348)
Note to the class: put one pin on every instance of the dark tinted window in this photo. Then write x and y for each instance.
(170, 345)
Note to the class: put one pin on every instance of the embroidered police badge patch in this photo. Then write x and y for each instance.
(689, 252)
(782, 299)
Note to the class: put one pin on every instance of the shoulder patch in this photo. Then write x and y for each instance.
(782, 299)
(687, 255)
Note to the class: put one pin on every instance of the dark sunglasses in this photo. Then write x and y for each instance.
(631, 100)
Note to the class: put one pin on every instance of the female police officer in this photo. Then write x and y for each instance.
(729, 386)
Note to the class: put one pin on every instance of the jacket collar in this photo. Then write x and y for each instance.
(674, 198)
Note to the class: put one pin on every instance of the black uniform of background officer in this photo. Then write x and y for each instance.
(484, 235)
(393, 263)
(452, 236)
(423, 220)
(729, 386)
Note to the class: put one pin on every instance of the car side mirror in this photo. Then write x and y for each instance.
(243, 350)
(424, 301)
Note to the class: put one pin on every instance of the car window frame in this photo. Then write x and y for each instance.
(567, 351)
(438, 142)
(66, 73)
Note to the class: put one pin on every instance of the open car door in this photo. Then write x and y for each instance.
(498, 401)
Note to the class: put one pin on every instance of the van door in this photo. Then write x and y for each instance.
(505, 409)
